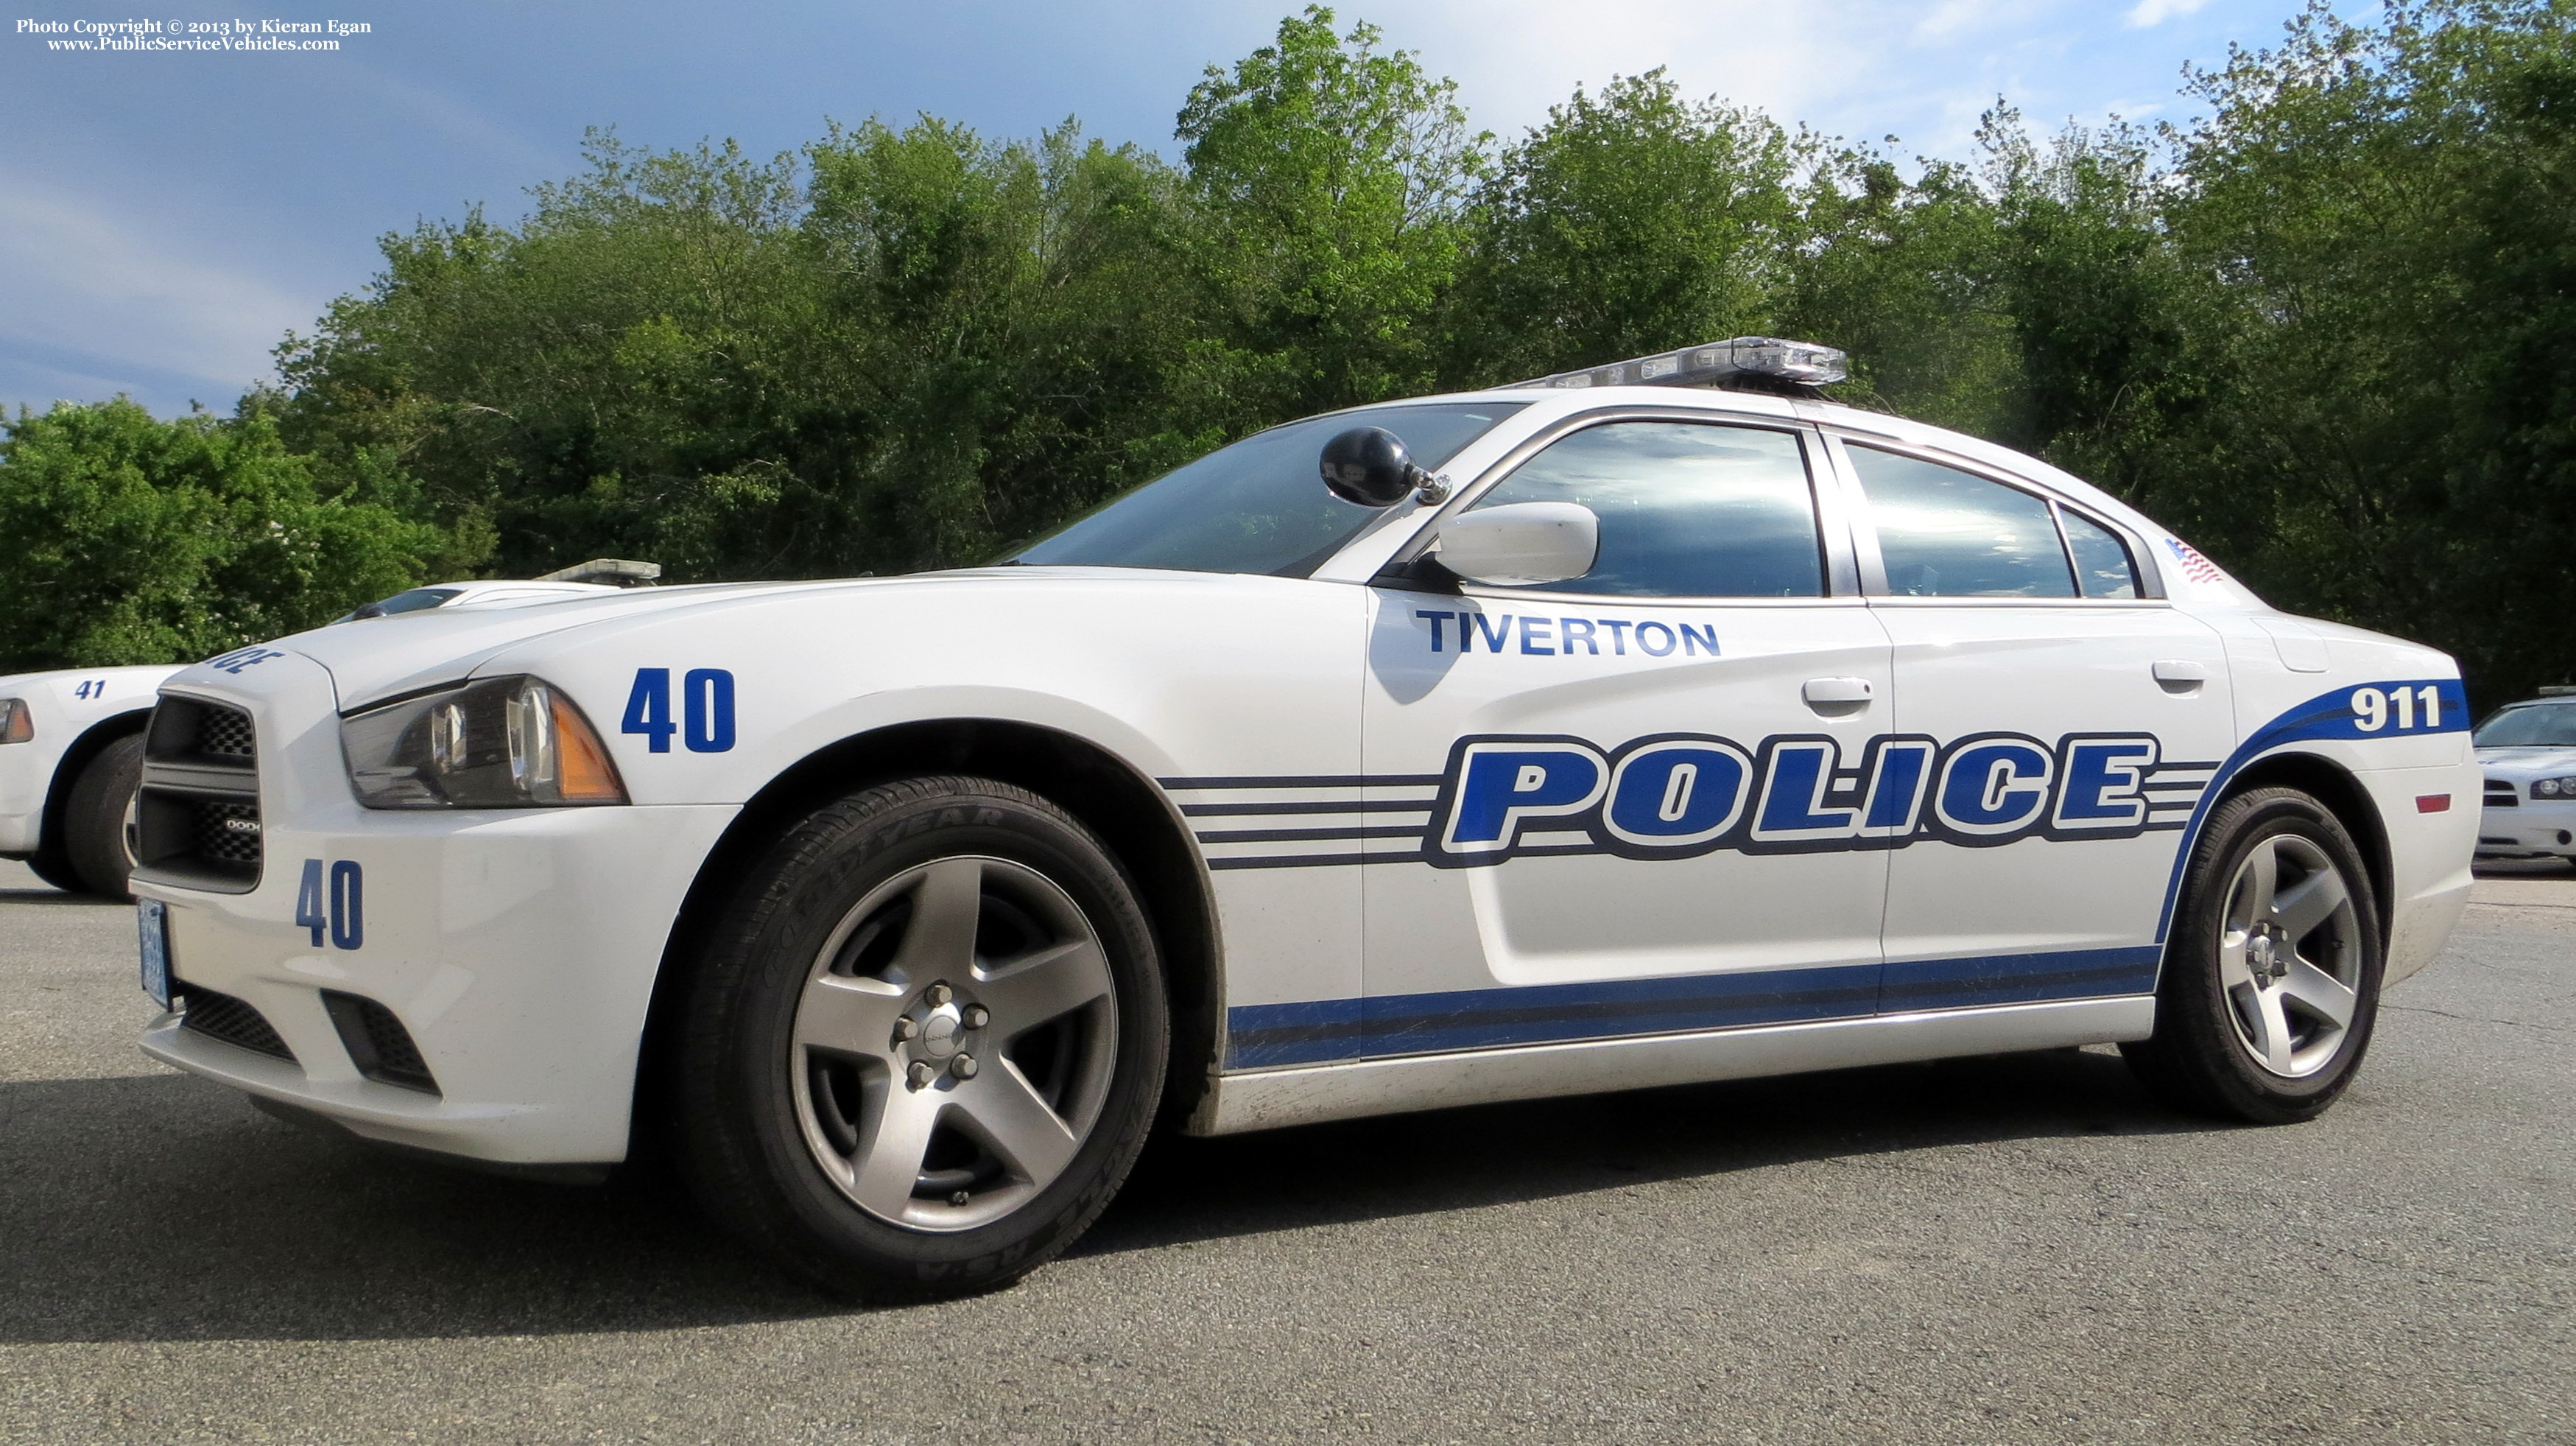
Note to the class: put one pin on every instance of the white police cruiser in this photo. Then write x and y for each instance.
(2528, 751)
(68, 783)
(1590, 733)
(71, 748)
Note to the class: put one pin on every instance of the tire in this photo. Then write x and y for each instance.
(2272, 970)
(57, 871)
(94, 820)
(924, 1044)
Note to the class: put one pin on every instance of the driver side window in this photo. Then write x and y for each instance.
(1687, 509)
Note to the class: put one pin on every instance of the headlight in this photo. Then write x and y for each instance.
(2554, 788)
(500, 743)
(17, 725)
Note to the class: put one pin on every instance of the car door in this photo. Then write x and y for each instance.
(2075, 717)
(1632, 802)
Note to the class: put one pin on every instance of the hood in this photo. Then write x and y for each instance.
(2521, 763)
(382, 657)
(376, 657)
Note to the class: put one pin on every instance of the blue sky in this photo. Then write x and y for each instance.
(166, 218)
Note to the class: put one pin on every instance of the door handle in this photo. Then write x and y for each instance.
(1837, 694)
(2180, 675)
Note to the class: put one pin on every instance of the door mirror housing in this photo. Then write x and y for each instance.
(1521, 543)
(1370, 466)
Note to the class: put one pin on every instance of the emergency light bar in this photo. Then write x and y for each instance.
(1756, 359)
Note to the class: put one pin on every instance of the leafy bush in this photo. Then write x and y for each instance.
(129, 540)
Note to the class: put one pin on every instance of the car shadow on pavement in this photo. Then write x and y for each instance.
(162, 1207)
(58, 896)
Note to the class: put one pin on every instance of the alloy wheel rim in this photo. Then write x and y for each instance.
(2289, 956)
(953, 1043)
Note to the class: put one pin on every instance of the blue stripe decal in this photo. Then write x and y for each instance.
(1265, 1035)
(2018, 978)
(2327, 715)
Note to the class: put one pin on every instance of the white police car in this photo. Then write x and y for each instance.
(2528, 751)
(71, 748)
(1640, 734)
(71, 740)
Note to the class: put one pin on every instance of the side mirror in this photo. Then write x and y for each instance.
(1369, 466)
(1520, 543)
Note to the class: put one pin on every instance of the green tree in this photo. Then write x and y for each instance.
(1632, 222)
(124, 539)
(1016, 320)
(602, 373)
(1330, 179)
(1901, 274)
(901, 349)
(2377, 217)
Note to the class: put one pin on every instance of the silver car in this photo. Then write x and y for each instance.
(2528, 752)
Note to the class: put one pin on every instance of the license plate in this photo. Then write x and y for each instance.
(152, 922)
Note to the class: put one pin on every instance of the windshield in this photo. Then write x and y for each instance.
(1259, 505)
(2530, 725)
(402, 602)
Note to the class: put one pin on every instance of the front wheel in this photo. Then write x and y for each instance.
(2272, 968)
(925, 1044)
(57, 871)
(95, 842)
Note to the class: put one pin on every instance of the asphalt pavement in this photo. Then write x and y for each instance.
(1995, 1250)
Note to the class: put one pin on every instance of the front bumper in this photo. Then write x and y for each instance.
(517, 948)
(26, 774)
(2532, 830)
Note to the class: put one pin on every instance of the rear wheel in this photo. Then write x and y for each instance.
(94, 837)
(925, 1044)
(2271, 977)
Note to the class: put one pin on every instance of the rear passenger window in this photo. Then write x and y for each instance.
(1687, 509)
(1947, 533)
(2102, 565)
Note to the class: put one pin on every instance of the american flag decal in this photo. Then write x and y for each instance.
(2194, 566)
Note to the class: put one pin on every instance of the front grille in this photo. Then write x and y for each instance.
(2501, 794)
(227, 832)
(225, 733)
(197, 820)
(377, 1042)
(220, 1016)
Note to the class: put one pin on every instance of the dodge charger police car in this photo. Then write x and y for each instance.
(1650, 724)
(2528, 753)
(71, 748)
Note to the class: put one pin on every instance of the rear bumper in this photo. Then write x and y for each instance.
(2428, 857)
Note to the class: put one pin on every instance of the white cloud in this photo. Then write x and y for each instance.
(1858, 68)
(1950, 16)
(2157, 12)
(1514, 58)
(120, 291)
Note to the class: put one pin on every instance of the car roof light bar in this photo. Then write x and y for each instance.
(1749, 362)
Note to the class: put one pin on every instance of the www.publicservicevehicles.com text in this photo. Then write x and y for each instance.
(128, 36)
